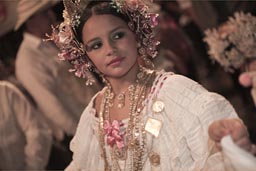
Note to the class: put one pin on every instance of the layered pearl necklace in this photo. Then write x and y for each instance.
(132, 142)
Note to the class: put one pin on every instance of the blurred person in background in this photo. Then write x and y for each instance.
(26, 140)
(59, 96)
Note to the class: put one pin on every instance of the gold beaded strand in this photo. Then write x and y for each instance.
(135, 133)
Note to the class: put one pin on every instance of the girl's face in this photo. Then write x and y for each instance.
(110, 44)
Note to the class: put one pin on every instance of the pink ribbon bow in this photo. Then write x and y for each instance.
(114, 136)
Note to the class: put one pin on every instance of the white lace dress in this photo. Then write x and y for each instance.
(182, 143)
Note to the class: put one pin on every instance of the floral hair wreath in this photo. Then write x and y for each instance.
(234, 42)
(64, 35)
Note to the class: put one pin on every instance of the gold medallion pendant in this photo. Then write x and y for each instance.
(120, 154)
(154, 159)
(121, 100)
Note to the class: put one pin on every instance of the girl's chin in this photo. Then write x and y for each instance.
(117, 74)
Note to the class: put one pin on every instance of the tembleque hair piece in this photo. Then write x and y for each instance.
(234, 42)
(64, 35)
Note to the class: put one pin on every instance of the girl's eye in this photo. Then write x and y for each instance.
(118, 35)
(94, 46)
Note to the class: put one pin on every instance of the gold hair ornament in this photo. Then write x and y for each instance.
(64, 35)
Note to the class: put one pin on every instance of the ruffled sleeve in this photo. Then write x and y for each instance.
(85, 144)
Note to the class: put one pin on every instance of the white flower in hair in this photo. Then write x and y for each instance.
(234, 42)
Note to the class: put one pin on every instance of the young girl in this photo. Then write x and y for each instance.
(142, 119)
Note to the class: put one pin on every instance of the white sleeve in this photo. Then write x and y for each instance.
(38, 135)
(41, 84)
(85, 144)
(195, 109)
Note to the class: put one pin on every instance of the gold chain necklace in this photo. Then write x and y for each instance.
(119, 97)
(135, 133)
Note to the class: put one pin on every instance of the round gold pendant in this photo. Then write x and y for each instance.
(154, 159)
(120, 154)
(158, 106)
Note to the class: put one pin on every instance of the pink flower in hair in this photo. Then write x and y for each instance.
(154, 19)
(63, 55)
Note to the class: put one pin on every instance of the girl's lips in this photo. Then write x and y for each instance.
(116, 61)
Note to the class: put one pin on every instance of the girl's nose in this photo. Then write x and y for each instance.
(110, 48)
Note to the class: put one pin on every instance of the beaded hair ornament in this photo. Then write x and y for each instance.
(140, 22)
(234, 42)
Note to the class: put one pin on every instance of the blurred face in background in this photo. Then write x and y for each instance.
(41, 22)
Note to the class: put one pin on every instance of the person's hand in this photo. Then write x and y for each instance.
(234, 127)
(248, 79)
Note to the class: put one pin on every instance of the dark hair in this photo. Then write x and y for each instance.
(97, 8)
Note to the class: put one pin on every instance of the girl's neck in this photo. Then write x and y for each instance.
(120, 85)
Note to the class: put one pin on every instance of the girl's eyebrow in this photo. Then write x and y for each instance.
(117, 28)
(93, 39)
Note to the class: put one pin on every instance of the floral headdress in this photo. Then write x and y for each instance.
(64, 35)
(234, 42)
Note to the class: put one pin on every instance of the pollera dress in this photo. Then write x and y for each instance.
(183, 110)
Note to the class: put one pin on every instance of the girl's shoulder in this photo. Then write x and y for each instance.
(170, 80)
(171, 76)
(98, 99)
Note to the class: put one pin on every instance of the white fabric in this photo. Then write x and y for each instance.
(25, 141)
(59, 95)
(238, 158)
(183, 142)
